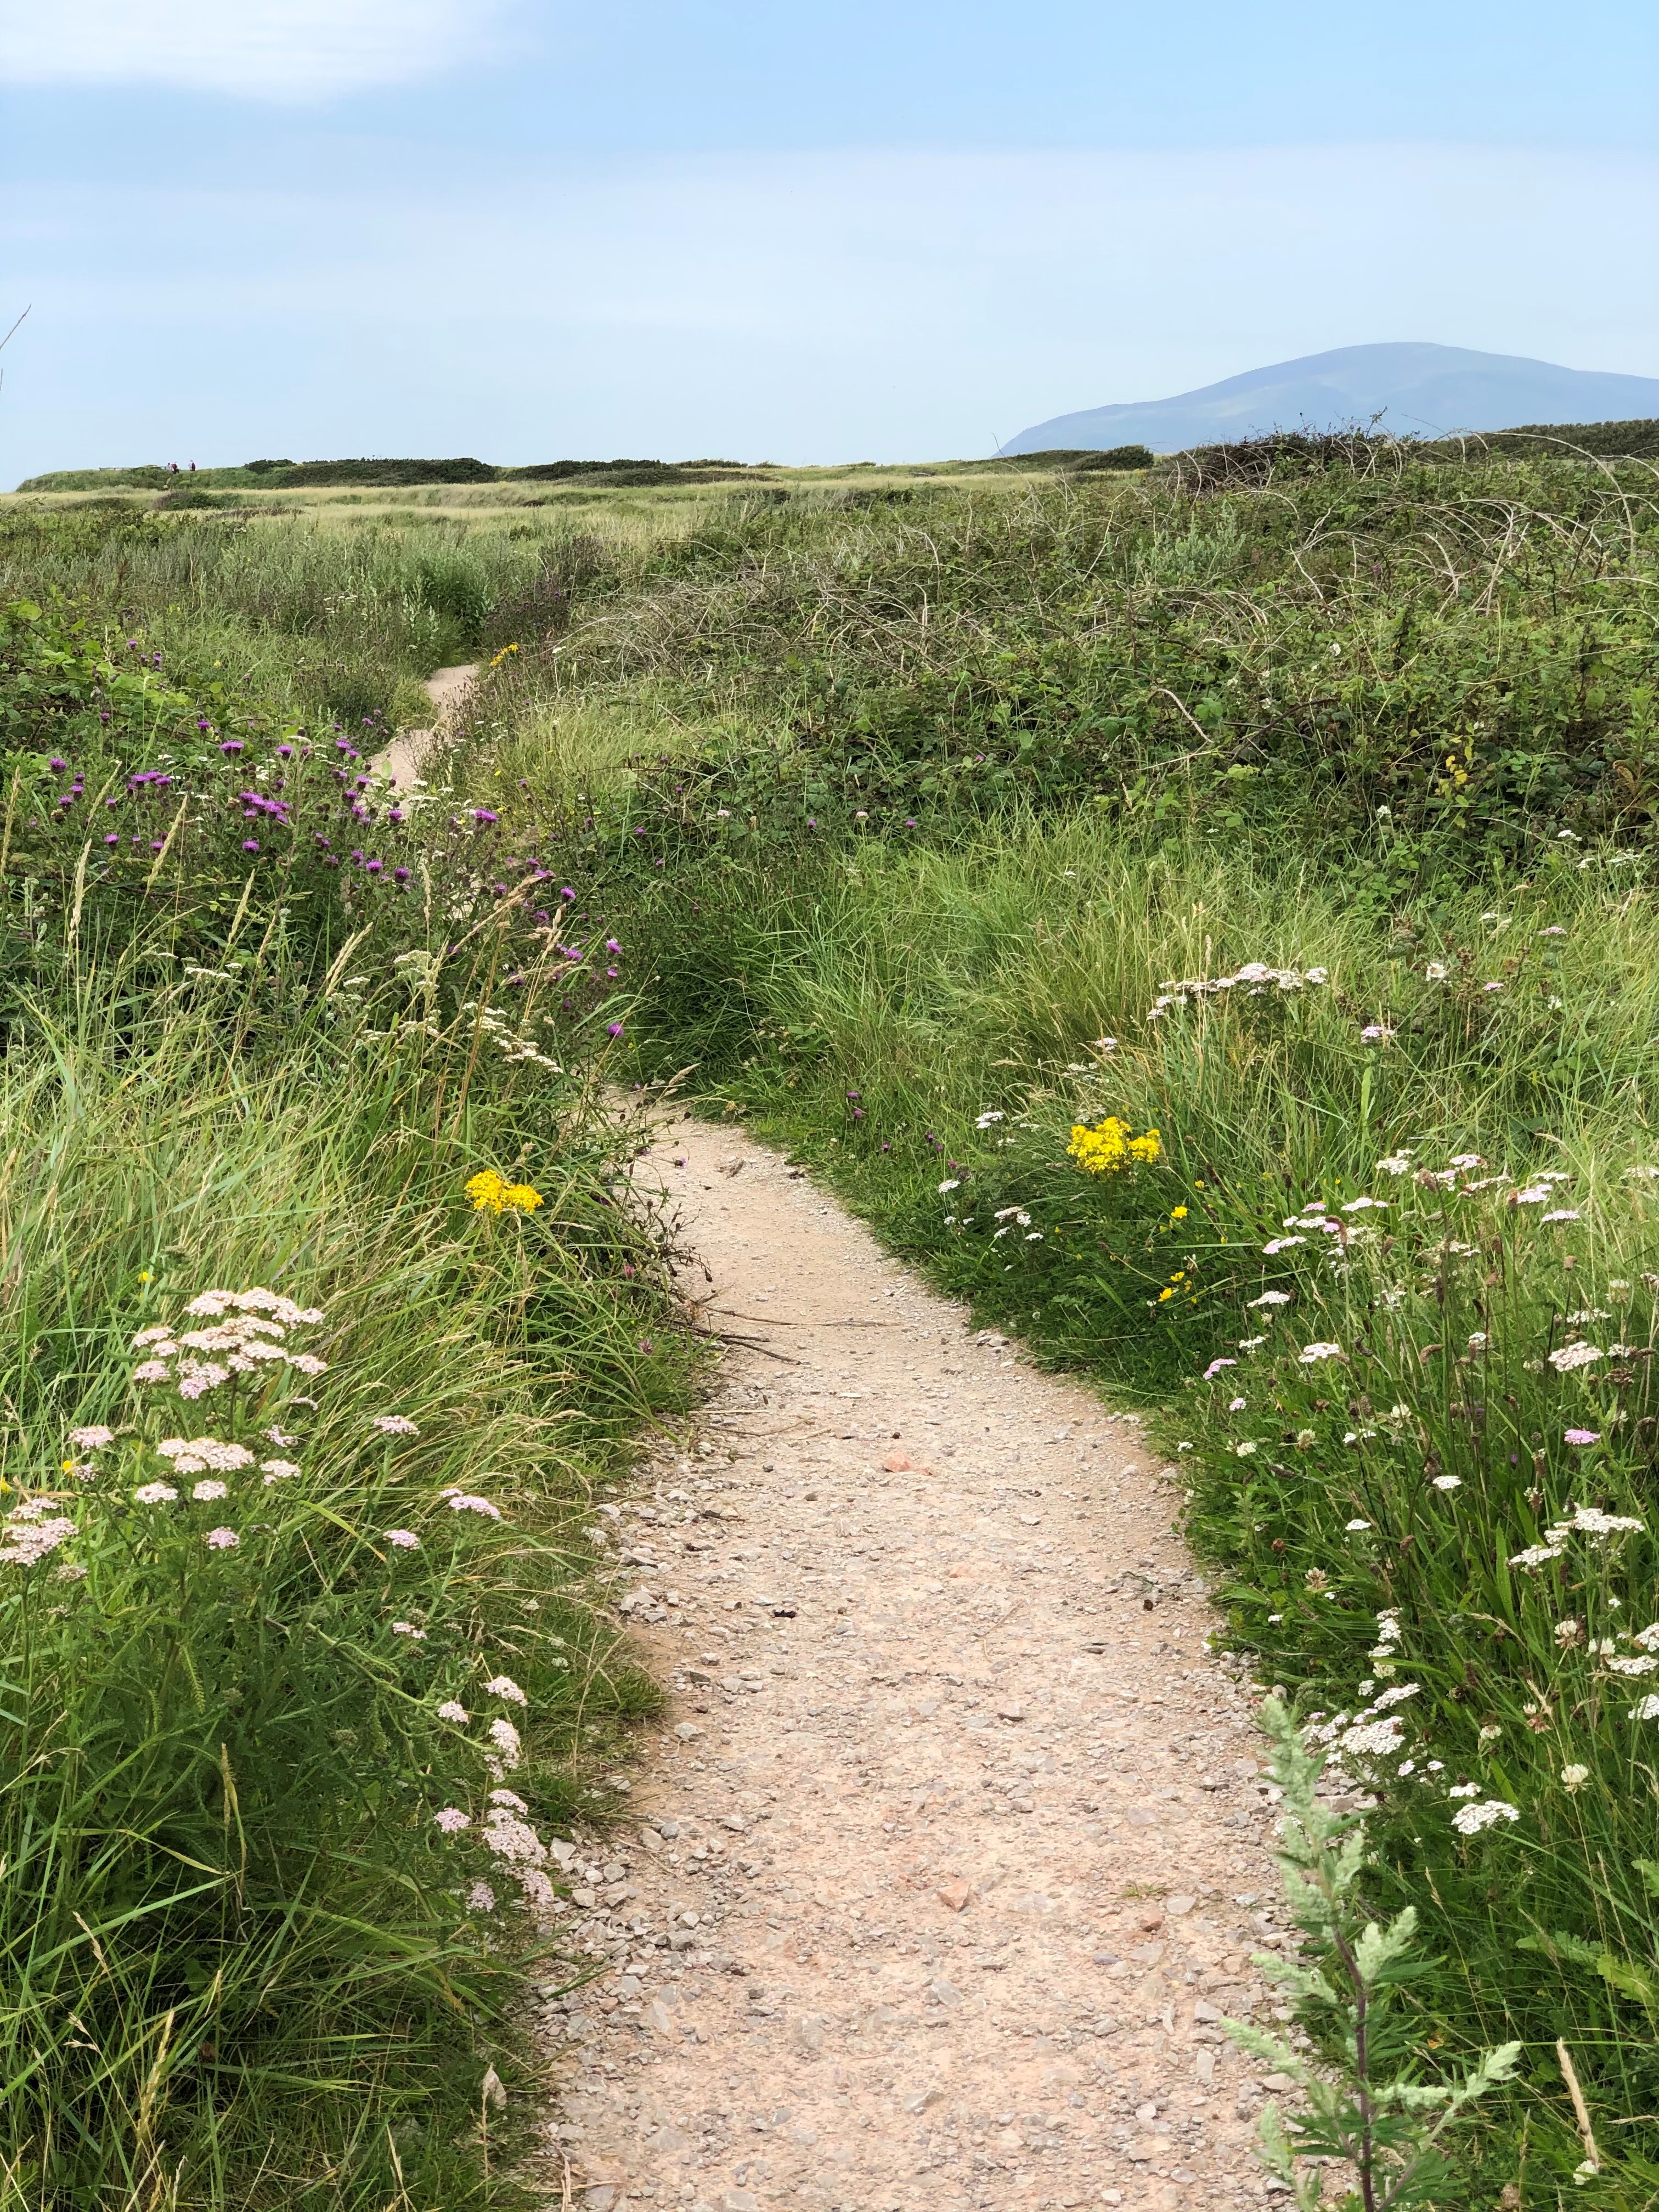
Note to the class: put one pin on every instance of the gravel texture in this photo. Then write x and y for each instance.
(953, 1848)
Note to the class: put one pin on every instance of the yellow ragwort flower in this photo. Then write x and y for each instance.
(490, 1194)
(1109, 1146)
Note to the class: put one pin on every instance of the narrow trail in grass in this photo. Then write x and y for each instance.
(445, 688)
(943, 1864)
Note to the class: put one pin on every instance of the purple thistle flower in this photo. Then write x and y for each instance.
(613, 1028)
(250, 844)
(231, 745)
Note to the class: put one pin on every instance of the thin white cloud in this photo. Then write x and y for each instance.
(276, 50)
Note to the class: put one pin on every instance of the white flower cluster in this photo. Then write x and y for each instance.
(33, 1531)
(1255, 979)
(516, 1047)
(1470, 1819)
(247, 1330)
(1567, 1356)
(195, 1455)
(1587, 1521)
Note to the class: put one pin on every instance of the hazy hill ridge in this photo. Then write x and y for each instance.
(1420, 390)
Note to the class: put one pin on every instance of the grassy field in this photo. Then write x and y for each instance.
(1208, 922)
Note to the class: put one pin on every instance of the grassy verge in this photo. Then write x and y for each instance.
(302, 1427)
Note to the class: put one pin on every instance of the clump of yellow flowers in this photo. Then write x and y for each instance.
(490, 1194)
(1109, 1147)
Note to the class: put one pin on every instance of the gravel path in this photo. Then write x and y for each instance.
(950, 1853)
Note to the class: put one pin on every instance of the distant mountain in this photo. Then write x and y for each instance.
(1418, 390)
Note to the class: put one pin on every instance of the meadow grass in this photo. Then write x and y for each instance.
(303, 1423)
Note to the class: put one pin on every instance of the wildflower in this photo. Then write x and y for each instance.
(1590, 1520)
(1272, 1299)
(1244, 1450)
(1398, 1695)
(1574, 1777)
(1581, 1436)
(1366, 1206)
(394, 1425)
(950, 1183)
(306, 1363)
(402, 1539)
(1567, 1356)
(408, 1628)
(154, 1335)
(505, 1737)
(451, 1820)
(1535, 1555)
(1357, 1528)
(985, 1120)
(1490, 1733)
(155, 1493)
(1470, 1819)
(1281, 1245)
(460, 1503)
(1645, 1665)
(1648, 1709)
(1373, 1738)
(491, 1195)
(1109, 1147)
(1310, 1353)
(152, 1371)
(1449, 1482)
(1561, 1213)
(1375, 1033)
(481, 1897)
(1435, 972)
(1215, 1368)
(453, 1710)
(1477, 1341)
(1647, 1639)
(91, 1439)
(222, 1540)
(204, 1492)
(512, 1838)
(1251, 1343)
(1464, 1790)
(503, 1686)
(31, 1532)
(1234, 1405)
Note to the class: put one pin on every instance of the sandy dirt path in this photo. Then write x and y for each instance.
(952, 1852)
(445, 688)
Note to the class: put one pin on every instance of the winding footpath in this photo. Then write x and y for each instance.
(952, 1849)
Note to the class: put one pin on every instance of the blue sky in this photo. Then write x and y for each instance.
(522, 230)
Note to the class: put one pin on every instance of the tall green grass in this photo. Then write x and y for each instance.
(242, 1964)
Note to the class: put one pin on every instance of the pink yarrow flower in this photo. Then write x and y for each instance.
(406, 1540)
(222, 1540)
(1583, 1436)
